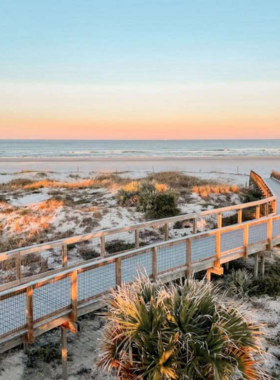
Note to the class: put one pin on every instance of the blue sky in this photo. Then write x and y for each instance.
(129, 41)
(139, 69)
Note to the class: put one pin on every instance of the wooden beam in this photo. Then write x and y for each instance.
(166, 231)
(262, 266)
(118, 272)
(136, 238)
(218, 249)
(70, 326)
(239, 216)
(257, 211)
(18, 266)
(270, 233)
(188, 273)
(154, 263)
(256, 266)
(74, 296)
(64, 353)
(194, 225)
(29, 314)
(102, 246)
(64, 252)
(220, 220)
(246, 239)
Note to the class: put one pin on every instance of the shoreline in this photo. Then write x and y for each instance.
(135, 159)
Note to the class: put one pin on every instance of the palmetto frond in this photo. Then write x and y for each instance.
(185, 332)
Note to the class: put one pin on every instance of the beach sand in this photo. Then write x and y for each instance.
(84, 347)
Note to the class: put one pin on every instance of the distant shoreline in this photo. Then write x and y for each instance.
(135, 159)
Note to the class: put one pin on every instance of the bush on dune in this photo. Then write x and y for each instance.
(154, 199)
(177, 332)
(239, 282)
(165, 205)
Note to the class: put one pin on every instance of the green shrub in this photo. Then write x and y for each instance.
(127, 198)
(269, 285)
(20, 182)
(239, 282)
(88, 253)
(46, 352)
(165, 205)
(118, 246)
(178, 180)
(146, 196)
(158, 332)
(178, 225)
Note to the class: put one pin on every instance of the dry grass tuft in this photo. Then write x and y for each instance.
(205, 191)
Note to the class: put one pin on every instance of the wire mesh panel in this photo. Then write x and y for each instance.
(135, 265)
(171, 257)
(51, 298)
(203, 248)
(232, 239)
(257, 233)
(96, 281)
(12, 314)
(276, 228)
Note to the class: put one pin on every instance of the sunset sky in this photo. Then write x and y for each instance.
(139, 69)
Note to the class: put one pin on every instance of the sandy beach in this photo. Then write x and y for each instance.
(198, 165)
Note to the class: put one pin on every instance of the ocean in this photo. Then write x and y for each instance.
(138, 148)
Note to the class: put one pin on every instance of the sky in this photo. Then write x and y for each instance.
(139, 69)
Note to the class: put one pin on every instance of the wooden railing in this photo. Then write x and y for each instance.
(275, 175)
(46, 303)
(263, 207)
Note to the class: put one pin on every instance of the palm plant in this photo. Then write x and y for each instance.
(239, 282)
(159, 332)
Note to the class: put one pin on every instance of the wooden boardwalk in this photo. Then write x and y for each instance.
(57, 299)
(275, 187)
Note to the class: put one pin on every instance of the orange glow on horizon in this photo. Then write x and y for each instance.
(227, 111)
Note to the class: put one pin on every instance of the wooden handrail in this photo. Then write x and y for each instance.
(75, 307)
(275, 175)
(270, 199)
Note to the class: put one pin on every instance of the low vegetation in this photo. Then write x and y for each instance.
(205, 191)
(240, 281)
(184, 331)
(152, 198)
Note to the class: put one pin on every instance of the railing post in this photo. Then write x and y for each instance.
(18, 266)
(218, 249)
(136, 238)
(220, 220)
(154, 263)
(188, 273)
(64, 252)
(194, 225)
(262, 266)
(74, 296)
(257, 211)
(274, 207)
(239, 216)
(118, 272)
(102, 245)
(246, 239)
(64, 353)
(256, 266)
(270, 233)
(166, 231)
(29, 314)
